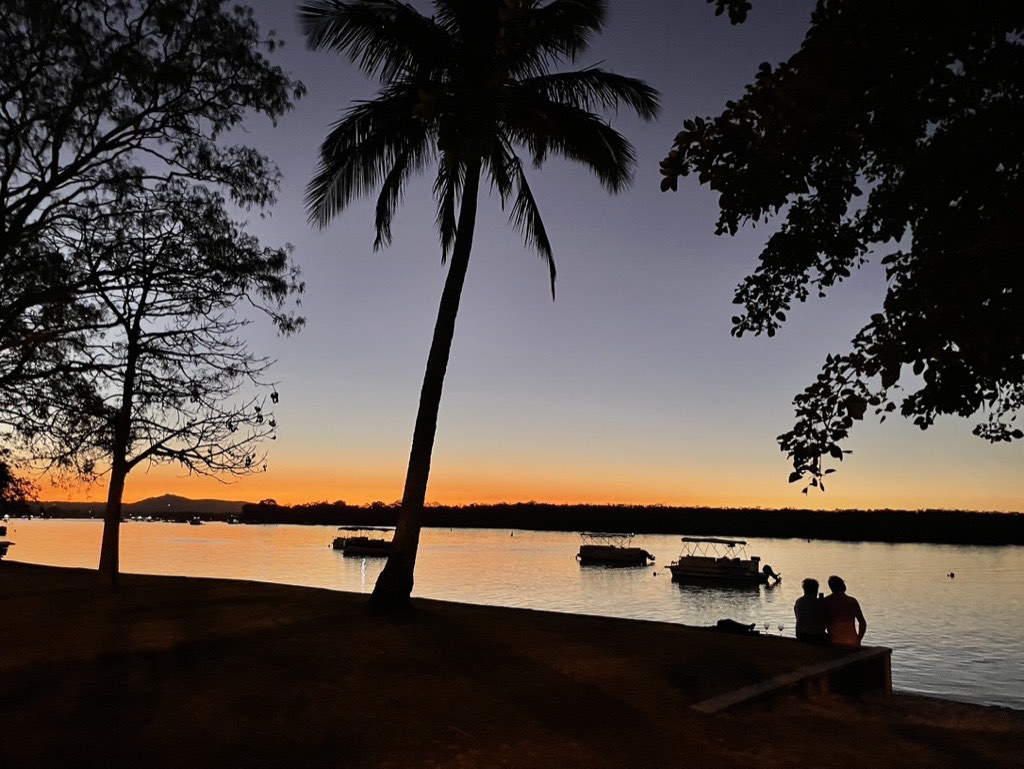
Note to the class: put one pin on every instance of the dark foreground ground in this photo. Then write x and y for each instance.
(175, 672)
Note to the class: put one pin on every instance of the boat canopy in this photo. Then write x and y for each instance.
(607, 537)
(714, 540)
(717, 547)
(366, 528)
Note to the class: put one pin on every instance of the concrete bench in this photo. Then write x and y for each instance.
(867, 670)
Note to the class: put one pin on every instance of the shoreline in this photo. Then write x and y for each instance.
(939, 527)
(174, 671)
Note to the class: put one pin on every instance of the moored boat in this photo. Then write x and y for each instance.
(608, 549)
(373, 541)
(710, 559)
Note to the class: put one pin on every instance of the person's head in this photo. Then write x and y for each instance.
(810, 586)
(836, 584)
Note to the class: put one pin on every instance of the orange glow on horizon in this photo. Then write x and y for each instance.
(487, 486)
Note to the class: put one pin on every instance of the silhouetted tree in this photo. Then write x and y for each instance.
(894, 133)
(465, 88)
(165, 273)
(736, 9)
(16, 492)
(96, 94)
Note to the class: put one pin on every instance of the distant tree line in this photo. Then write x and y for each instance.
(926, 526)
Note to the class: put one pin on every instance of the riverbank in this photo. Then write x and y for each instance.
(174, 671)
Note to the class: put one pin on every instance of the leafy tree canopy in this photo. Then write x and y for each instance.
(101, 93)
(736, 9)
(15, 492)
(170, 282)
(168, 277)
(894, 133)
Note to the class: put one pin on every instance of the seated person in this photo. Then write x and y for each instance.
(811, 618)
(846, 623)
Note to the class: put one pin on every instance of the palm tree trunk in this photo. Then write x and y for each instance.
(394, 586)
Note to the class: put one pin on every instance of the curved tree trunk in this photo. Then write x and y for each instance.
(120, 466)
(394, 586)
(110, 550)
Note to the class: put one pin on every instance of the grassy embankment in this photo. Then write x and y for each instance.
(180, 672)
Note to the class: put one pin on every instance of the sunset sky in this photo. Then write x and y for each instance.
(628, 387)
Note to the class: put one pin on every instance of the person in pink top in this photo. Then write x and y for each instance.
(846, 623)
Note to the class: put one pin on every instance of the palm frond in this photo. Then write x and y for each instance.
(447, 187)
(361, 150)
(506, 172)
(525, 217)
(577, 135)
(384, 38)
(499, 167)
(594, 89)
(468, 18)
(558, 31)
(568, 25)
(408, 162)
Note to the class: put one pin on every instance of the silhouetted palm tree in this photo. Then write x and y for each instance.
(465, 88)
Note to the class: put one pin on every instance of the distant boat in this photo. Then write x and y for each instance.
(709, 559)
(195, 520)
(371, 541)
(610, 549)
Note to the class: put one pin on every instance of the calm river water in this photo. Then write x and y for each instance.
(958, 637)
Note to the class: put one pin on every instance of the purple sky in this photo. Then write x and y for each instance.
(627, 388)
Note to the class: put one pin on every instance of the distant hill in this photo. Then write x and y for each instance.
(168, 504)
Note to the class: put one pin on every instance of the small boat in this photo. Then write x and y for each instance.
(373, 541)
(708, 559)
(195, 520)
(607, 549)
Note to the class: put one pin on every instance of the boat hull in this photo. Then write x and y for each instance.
(612, 555)
(362, 546)
(727, 570)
